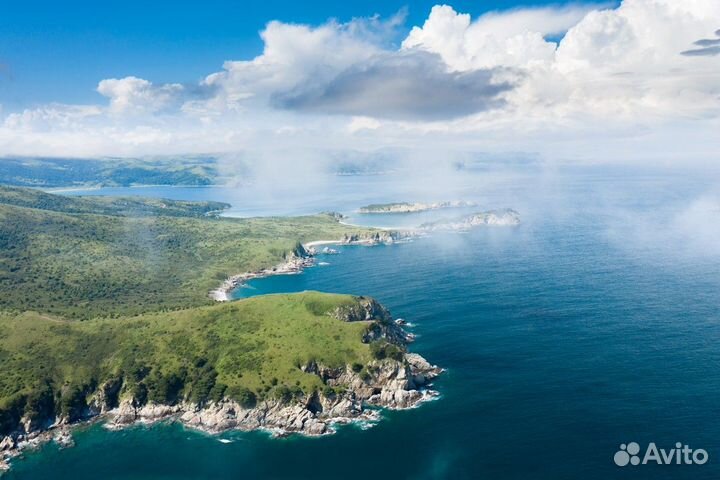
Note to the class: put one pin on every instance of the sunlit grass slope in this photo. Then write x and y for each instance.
(245, 350)
(57, 258)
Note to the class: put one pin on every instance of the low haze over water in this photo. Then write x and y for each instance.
(594, 323)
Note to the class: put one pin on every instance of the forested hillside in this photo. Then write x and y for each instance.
(65, 172)
(124, 261)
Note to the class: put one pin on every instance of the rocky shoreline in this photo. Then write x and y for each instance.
(303, 256)
(398, 380)
(413, 207)
(394, 385)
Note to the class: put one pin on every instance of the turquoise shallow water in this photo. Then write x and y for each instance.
(595, 323)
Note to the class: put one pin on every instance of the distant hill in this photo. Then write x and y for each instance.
(88, 257)
(152, 343)
(131, 206)
(62, 172)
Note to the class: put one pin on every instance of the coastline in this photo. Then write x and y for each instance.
(98, 187)
(413, 207)
(292, 266)
(393, 384)
(397, 383)
(298, 261)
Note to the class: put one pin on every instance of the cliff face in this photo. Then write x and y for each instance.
(364, 308)
(389, 382)
(384, 383)
(397, 380)
(405, 207)
(393, 379)
(375, 238)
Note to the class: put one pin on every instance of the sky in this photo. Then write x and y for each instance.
(633, 81)
(52, 53)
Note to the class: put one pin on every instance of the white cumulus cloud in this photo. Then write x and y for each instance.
(137, 95)
(579, 81)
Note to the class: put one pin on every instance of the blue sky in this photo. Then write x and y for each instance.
(53, 52)
(630, 80)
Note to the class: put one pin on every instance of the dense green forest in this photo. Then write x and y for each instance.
(64, 172)
(126, 206)
(110, 296)
(243, 350)
(132, 258)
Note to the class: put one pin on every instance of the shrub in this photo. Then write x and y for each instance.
(202, 383)
(164, 389)
(139, 393)
(377, 349)
(11, 411)
(40, 404)
(217, 392)
(394, 352)
(380, 350)
(244, 396)
(283, 393)
(72, 402)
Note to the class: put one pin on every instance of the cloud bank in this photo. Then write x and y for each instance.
(708, 46)
(637, 82)
(413, 86)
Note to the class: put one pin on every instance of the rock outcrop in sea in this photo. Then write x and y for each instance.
(377, 237)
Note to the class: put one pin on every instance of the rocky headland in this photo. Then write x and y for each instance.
(500, 218)
(413, 207)
(303, 255)
(394, 379)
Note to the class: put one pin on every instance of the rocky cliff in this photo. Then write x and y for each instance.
(376, 238)
(505, 218)
(386, 383)
(396, 379)
(414, 207)
(392, 378)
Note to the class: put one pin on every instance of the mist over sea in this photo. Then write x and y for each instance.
(593, 324)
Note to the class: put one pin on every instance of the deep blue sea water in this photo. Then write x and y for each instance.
(594, 323)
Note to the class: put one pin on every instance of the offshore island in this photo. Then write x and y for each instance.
(105, 314)
(413, 207)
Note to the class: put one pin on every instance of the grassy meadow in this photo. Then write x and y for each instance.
(110, 296)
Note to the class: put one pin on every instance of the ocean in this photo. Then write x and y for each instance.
(593, 324)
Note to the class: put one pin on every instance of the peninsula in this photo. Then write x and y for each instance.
(105, 314)
(287, 363)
